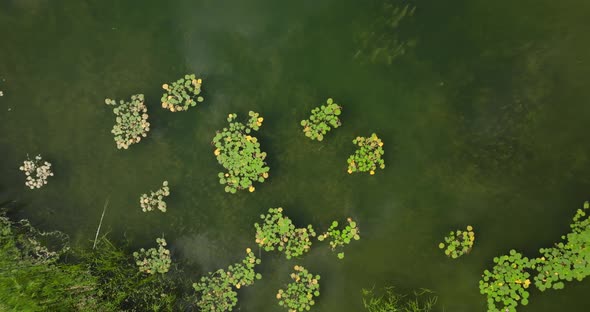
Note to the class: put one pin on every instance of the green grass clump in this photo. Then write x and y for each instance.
(339, 238)
(299, 295)
(153, 260)
(458, 243)
(567, 260)
(156, 199)
(421, 300)
(506, 286)
(217, 290)
(131, 121)
(182, 94)
(279, 232)
(322, 120)
(368, 156)
(239, 153)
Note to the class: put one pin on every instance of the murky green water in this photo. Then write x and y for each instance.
(484, 123)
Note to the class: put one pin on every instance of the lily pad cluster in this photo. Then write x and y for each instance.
(37, 171)
(300, 293)
(367, 158)
(156, 199)
(182, 94)
(153, 260)
(131, 121)
(322, 120)
(567, 260)
(340, 237)
(217, 291)
(506, 286)
(279, 232)
(239, 153)
(458, 243)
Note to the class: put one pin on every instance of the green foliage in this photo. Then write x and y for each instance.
(322, 120)
(279, 232)
(216, 290)
(299, 295)
(153, 260)
(507, 285)
(156, 199)
(339, 238)
(239, 153)
(568, 260)
(458, 243)
(182, 94)
(131, 121)
(368, 156)
(382, 42)
(391, 301)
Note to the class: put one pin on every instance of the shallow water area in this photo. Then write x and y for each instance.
(484, 123)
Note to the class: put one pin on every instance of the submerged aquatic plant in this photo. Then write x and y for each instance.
(458, 243)
(383, 43)
(131, 121)
(156, 199)
(339, 238)
(422, 300)
(216, 290)
(322, 120)
(182, 94)
(37, 171)
(368, 156)
(506, 286)
(300, 294)
(567, 260)
(279, 232)
(239, 153)
(153, 260)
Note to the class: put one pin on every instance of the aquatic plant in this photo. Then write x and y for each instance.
(156, 199)
(458, 243)
(422, 300)
(216, 290)
(383, 43)
(507, 284)
(37, 171)
(182, 94)
(567, 260)
(278, 231)
(322, 120)
(239, 153)
(368, 156)
(153, 260)
(339, 238)
(299, 295)
(131, 121)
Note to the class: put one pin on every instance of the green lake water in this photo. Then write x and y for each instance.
(484, 123)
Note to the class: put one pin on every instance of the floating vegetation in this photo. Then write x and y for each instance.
(182, 94)
(153, 260)
(568, 260)
(216, 290)
(37, 171)
(278, 232)
(458, 243)
(131, 121)
(507, 285)
(239, 153)
(300, 293)
(339, 238)
(422, 300)
(383, 43)
(368, 157)
(322, 120)
(156, 199)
